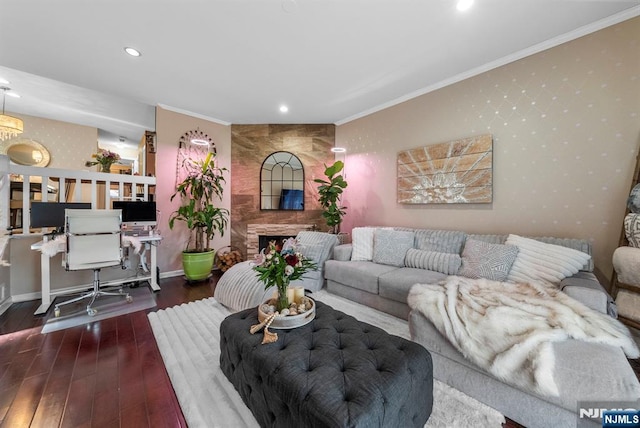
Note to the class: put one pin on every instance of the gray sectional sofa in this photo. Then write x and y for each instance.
(381, 278)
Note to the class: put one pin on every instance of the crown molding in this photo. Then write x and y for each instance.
(548, 44)
(192, 114)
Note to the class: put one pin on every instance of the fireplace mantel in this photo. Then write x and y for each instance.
(255, 230)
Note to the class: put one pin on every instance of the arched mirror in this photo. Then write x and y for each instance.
(27, 152)
(282, 182)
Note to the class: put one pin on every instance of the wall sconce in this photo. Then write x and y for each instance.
(196, 137)
(341, 155)
(192, 145)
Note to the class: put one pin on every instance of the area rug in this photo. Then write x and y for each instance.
(188, 338)
(75, 314)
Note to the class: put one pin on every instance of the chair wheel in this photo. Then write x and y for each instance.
(56, 312)
(92, 312)
(129, 299)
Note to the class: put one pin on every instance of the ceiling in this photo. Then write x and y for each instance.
(237, 61)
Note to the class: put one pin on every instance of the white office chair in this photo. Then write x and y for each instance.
(94, 241)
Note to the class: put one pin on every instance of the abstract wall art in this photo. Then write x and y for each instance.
(455, 172)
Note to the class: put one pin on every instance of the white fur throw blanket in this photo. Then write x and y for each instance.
(508, 328)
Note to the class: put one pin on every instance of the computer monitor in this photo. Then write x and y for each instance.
(51, 214)
(137, 213)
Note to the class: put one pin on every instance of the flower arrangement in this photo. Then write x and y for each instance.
(279, 266)
(104, 158)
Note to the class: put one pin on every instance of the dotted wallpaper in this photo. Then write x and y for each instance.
(69, 145)
(566, 129)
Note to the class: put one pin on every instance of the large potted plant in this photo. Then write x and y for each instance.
(202, 185)
(330, 191)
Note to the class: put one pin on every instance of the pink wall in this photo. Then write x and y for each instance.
(170, 126)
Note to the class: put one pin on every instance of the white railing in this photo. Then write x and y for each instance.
(63, 185)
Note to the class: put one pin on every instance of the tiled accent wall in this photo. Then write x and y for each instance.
(250, 145)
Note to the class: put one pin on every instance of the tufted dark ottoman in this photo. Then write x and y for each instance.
(333, 372)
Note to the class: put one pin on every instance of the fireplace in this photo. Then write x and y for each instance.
(267, 232)
(263, 240)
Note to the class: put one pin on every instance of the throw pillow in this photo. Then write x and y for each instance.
(316, 246)
(362, 243)
(633, 202)
(485, 260)
(441, 241)
(537, 261)
(446, 263)
(632, 229)
(390, 246)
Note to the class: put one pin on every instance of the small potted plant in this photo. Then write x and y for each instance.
(104, 158)
(203, 183)
(330, 191)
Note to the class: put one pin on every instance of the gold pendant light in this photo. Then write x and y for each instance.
(9, 126)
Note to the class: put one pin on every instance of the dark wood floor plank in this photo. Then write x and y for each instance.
(79, 406)
(52, 404)
(25, 402)
(134, 416)
(15, 373)
(6, 399)
(87, 357)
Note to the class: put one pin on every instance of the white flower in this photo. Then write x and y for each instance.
(288, 270)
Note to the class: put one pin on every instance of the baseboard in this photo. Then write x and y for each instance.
(26, 297)
(6, 303)
(38, 295)
(172, 274)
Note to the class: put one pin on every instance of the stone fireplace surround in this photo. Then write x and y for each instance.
(250, 145)
(254, 231)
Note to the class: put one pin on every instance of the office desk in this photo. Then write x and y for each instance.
(148, 241)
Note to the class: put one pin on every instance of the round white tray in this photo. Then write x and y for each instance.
(290, 321)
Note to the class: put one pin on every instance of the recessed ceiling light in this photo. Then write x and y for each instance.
(4, 81)
(338, 149)
(132, 51)
(464, 5)
(284, 109)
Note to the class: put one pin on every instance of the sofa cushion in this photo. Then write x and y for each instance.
(537, 261)
(443, 241)
(484, 260)
(395, 285)
(447, 263)
(585, 288)
(390, 246)
(360, 274)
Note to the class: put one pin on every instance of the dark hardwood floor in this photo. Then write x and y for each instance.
(105, 374)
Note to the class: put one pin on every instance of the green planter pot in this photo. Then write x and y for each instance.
(197, 266)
